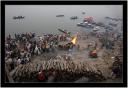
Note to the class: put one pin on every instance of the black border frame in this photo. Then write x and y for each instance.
(123, 3)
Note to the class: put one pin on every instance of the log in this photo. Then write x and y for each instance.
(70, 67)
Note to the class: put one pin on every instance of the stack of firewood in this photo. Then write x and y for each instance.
(69, 67)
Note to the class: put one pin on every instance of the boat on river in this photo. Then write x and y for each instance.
(18, 17)
(59, 15)
(74, 17)
(85, 24)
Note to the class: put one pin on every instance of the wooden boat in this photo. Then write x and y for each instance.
(74, 17)
(59, 15)
(18, 17)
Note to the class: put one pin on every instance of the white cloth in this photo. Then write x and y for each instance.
(37, 50)
(18, 61)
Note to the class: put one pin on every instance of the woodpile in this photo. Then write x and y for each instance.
(69, 67)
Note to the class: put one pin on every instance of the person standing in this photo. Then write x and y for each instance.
(41, 76)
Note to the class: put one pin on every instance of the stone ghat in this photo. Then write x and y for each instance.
(69, 66)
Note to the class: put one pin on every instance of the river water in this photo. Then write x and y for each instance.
(42, 18)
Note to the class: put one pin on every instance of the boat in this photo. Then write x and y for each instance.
(18, 17)
(64, 31)
(93, 23)
(85, 24)
(59, 15)
(97, 28)
(74, 17)
(108, 27)
(100, 24)
(114, 19)
(112, 24)
(79, 24)
(83, 12)
(107, 17)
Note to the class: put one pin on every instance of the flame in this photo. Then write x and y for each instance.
(74, 40)
(94, 51)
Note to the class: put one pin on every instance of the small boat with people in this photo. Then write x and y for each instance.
(18, 17)
(74, 17)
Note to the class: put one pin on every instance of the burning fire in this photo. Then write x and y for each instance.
(74, 40)
(94, 51)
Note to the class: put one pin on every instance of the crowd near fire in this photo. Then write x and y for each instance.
(67, 56)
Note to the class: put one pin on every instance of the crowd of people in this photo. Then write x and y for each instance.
(107, 38)
(20, 48)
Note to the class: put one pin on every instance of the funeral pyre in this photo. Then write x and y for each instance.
(64, 68)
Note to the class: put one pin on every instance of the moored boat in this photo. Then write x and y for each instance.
(97, 28)
(85, 24)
